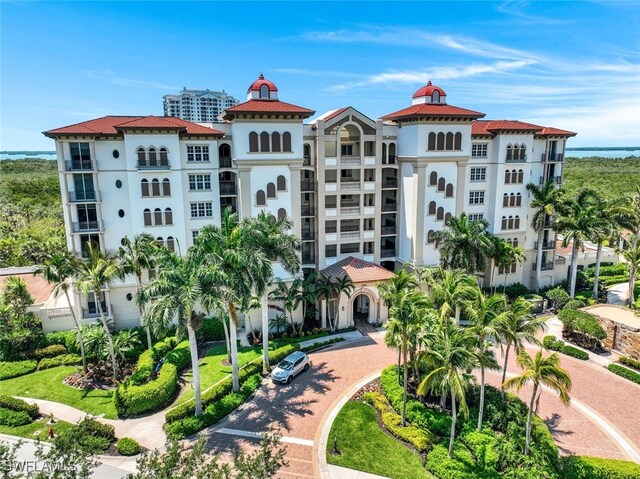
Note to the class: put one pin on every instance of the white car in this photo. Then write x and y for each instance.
(290, 367)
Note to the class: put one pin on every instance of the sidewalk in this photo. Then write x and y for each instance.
(337, 472)
(555, 329)
(348, 336)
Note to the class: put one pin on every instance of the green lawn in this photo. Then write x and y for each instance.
(212, 370)
(38, 429)
(48, 385)
(365, 447)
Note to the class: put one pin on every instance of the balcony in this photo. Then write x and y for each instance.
(92, 311)
(555, 179)
(82, 165)
(156, 166)
(388, 230)
(350, 210)
(548, 223)
(228, 188)
(308, 234)
(83, 226)
(387, 252)
(306, 160)
(307, 185)
(350, 184)
(350, 235)
(83, 196)
(546, 245)
(561, 260)
(308, 258)
(553, 157)
(350, 160)
(517, 160)
(307, 210)
(58, 312)
(225, 162)
(390, 183)
(390, 207)
(547, 266)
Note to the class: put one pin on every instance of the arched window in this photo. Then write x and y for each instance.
(168, 216)
(518, 199)
(264, 91)
(509, 240)
(440, 142)
(286, 141)
(516, 152)
(523, 152)
(449, 190)
(164, 157)
(504, 223)
(275, 141)
(282, 213)
(147, 217)
(520, 176)
(449, 141)
(507, 177)
(144, 186)
(261, 199)
(432, 208)
(157, 217)
(224, 151)
(306, 151)
(440, 214)
(253, 142)
(512, 199)
(160, 240)
(447, 217)
(515, 242)
(430, 238)
(153, 157)
(441, 184)
(264, 141)
(171, 243)
(166, 187)
(505, 200)
(457, 142)
(509, 152)
(435, 96)
(514, 176)
(271, 190)
(282, 183)
(155, 187)
(510, 223)
(517, 223)
(432, 141)
(384, 154)
(392, 153)
(142, 157)
(433, 178)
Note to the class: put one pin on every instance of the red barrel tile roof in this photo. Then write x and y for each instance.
(359, 270)
(433, 110)
(267, 106)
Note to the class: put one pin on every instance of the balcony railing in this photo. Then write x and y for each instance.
(547, 266)
(350, 160)
(308, 258)
(225, 162)
(82, 196)
(387, 252)
(546, 245)
(84, 165)
(553, 157)
(92, 313)
(79, 226)
(388, 230)
(306, 160)
(58, 312)
(228, 188)
(156, 166)
(548, 223)
(517, 160)
(349, 234)
(390, 183)
(561, 260)
(349, 184)
(307, 185)
(350, 210)
(390, 207)
(308, 234)
(555, 179)
(308, 210)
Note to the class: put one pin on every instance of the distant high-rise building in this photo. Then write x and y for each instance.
(198, 105)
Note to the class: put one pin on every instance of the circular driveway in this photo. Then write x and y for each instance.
(300, 408)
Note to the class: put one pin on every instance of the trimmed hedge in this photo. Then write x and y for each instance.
(16, 404)
(582, 322)
(211, 330)
(321, 344)
(9, 417)
(574, 304)
(148, 359)
(97, 428)
(619, 269)
(133, 399)
(49, 352)
(632, 363)
(415, 436)
(12, 369)
(62, 360)
(550, 342)
(223, 388)
(214, 412)
(127, 446)
(585, 467)
(69, 339)
(626, 373)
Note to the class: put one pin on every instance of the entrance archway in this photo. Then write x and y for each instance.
(361, 308)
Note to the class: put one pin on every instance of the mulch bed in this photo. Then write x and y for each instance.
(373, 386)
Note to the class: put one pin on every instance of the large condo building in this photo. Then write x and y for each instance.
(198, 105)
(365, 195)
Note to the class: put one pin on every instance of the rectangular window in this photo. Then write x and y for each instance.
(476, 197)
(80, 156)
(194, 234)
(197, 153)
(476, 217)
(479, 150)
(331, 251)
(478, 174)
(199, 182)
(201, 210)
(346, 150)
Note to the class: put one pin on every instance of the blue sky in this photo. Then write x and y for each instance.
(573, 65)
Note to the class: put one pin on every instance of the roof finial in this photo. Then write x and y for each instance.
(429, 83)
(261, 77)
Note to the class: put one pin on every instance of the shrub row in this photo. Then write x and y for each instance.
(148, 359)
(211, 330)
(62, 360)
(632, 363)
(133, 399)
(214, 412)
(9, 417)
(16, 404)
(127, 446)
(321, 344)
(626, 373)
(223, 388)
(48, 352)
(550, 342)
(582, 322)
(97, 428)
(92, 436)
(68, 339)
(415, 436)
(619, 269)
(574, 304)
(12, 369)
(417, 413)
(585, 467)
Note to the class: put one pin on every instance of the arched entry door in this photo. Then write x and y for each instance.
(361, 308)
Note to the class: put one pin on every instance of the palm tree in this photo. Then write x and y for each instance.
(513, 254)
(499, 254)
(448, 360)
(136, 256)
(450, 289)
(540, 371)
(515, 327)
(485, 312)
(176, 292)
(59, 269)
(339, 286)
(575, 223)
(632, 256)
(290, 297)
(546, 198)
(407, 307)
(308, 296)
(605, 227)
(96, 271)
(464, 244)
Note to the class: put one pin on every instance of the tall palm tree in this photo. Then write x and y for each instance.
(499, 254)
(136, 256)
(605, 226)
(290, 296)
(546, 199)
(632, 256)
(308, 296)
(485, 312)
(339, 286)
(464, 244)
(96, 271)
(174, 295)
(407, 307)
(540, 371)
(513, 254)
(59, 269)
(450, 289)
(448, 360)
(516, 326)
(576, 223)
